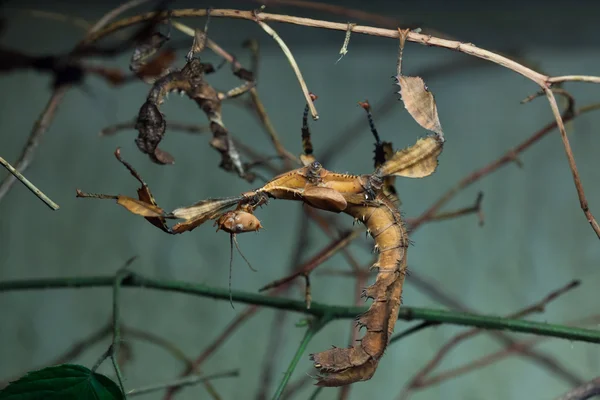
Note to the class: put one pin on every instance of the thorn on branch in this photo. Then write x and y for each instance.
(307, 293)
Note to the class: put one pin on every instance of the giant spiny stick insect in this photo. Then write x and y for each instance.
(189, 80)
(361, 196)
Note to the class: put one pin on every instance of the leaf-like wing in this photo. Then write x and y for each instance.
(196, 214)
(420, 103)
(416, 161)
(145, 196)
(206, 209)
(140, 207)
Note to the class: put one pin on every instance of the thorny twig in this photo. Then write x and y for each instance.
(229, 330)
(257, 103)
(436, 292)
(474, 209)
(509, 156)
(214, 346)
(316, 309)
(542, 80)
(519, 348)
(538, 307)
(47, 116)
(336, 245)
(279, 319)
(570, 158)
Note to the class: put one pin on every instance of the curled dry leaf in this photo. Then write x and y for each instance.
(420, 103)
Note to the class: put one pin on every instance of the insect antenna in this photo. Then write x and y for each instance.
(237, 246)
(307, 146)
(230, 268)
(232, 240)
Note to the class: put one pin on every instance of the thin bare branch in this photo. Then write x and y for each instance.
(39, 128)
(574, 78)
(114, 13)
(576, 179)
(583, 392)
(29, 185)
(69, 19)
(332, 248)
(182, 382)
(509, 156)
(47, 116)
(420, 376)
(257, 103)
(288, 53)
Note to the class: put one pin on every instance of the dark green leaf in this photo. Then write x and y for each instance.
(64, 382)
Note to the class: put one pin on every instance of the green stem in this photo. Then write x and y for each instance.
(316, 392)
(116, 341)
(315, 326)
(317, 309)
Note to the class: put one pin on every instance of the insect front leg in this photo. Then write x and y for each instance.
(243, 74)
(147, 49)
(200, 38)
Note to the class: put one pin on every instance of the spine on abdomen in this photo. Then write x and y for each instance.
(359, 362)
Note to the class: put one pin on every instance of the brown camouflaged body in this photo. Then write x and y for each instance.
(358, 363)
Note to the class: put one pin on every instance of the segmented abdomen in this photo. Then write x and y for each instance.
(359, 362)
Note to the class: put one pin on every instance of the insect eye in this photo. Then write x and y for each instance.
(316, 165)
(426, 88)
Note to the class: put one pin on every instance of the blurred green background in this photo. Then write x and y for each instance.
(535, 238)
